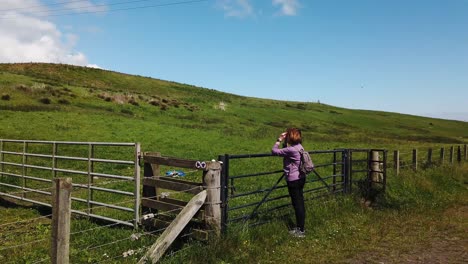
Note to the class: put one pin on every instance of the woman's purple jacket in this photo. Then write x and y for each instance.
(291, 160)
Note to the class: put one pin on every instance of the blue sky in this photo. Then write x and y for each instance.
(399, 56)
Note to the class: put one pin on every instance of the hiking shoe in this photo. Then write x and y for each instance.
(299, 234)
(293, 231)
(296, 232)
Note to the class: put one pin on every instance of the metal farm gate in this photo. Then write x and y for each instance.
(105, 176)
(248, 195)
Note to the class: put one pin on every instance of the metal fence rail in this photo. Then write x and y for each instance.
(244, 197)
(98, 169)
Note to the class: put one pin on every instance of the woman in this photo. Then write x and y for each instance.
(291, 161)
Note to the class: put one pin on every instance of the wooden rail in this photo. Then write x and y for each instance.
(154, 200)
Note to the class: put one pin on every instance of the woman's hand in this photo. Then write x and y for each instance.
(282, 136)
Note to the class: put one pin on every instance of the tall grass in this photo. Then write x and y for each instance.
(96, 105)
(339, 229)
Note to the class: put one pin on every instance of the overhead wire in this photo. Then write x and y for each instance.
(35, 6)
(115, 10)
(77, 8)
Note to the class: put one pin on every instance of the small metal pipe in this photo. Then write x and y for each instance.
(256, 174)
(137, 185)
(1, 159)
(71, 142)
(23, 195)
(26, 176)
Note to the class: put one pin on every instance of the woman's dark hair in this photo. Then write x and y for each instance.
(293, 136)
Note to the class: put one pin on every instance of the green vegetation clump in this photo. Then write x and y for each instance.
(45, 100)
(5, 97)
(63, 101)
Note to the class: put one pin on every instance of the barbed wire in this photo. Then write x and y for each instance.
(29, 191)
(27, 220)
(124, 239)
(144, 217)
(23, 244)
(42, 260)
(162, 195)
(125, 254)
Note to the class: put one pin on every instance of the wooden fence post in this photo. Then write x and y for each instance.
(442, 155)
(429, 157)
(212, 183)
(61, 209)
(375, 168)
(466, 153)
(396, 161)
(165, 240)
(451, 154)
(415, 159)
(459, 158)
(150, 170)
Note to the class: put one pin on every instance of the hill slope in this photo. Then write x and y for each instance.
(63, 102)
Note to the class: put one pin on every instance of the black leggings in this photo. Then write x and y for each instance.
(296, 189)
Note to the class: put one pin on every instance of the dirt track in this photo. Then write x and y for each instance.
(446, 242)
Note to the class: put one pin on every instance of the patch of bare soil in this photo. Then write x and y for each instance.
(445, 240)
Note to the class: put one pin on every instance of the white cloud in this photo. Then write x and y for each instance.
(288, 7)
(27, 37)
(93, 66)
(236, 8)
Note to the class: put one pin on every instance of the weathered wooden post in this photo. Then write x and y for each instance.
(442, 155)
(61, 209)
(376, 176)
(157, 250)
(396, 161)
(429, 157)
(415, 159)
(150, 170)
(212, 184)
(459, 158)
(451, 154)
(465, 152)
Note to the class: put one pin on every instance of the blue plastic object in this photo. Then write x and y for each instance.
(175, 173)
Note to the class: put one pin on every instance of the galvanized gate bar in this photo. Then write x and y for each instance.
(27, 180)
(229, 199)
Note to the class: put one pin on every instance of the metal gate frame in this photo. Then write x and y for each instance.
(347, 173)
(90, 173)
(339, 182)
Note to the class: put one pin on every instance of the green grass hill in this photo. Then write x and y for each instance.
(63, 102)
(421, 217)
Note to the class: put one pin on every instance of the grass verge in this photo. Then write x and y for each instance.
(421, 217)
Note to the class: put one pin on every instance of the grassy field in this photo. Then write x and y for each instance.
(69, 103)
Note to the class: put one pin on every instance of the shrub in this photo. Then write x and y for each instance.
(45, 100)
(154, 102)
(6, 97)
(64, 101)
(22, 87)
(133, 102)
(126, 111)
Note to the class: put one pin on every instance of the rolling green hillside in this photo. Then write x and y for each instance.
(70, 103)
(63, 102)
